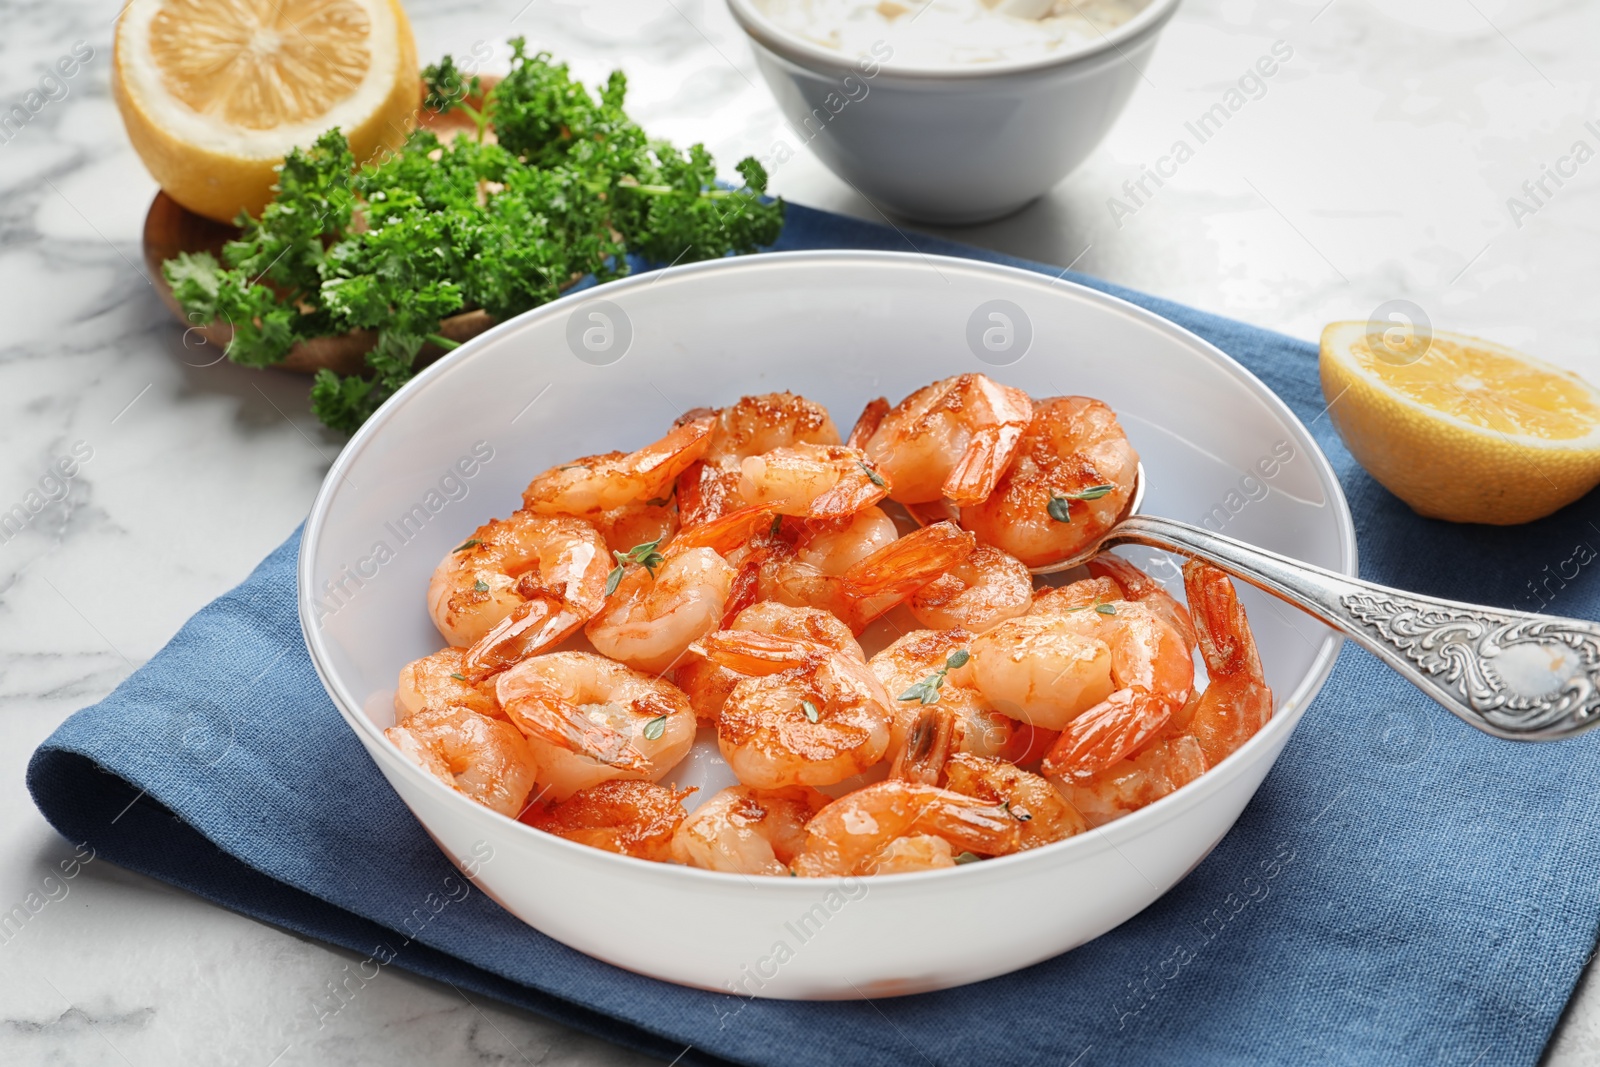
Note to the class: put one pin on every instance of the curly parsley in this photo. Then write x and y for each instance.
(570, 187)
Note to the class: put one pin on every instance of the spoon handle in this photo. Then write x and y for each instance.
(1456, 653)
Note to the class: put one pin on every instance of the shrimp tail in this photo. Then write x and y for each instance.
(927, 746)
(978, 471)
(971, 824)
(867, 425)
(850, 495)
(557, 722)
(533, 627)
(755, 654)
(1226, 643)
(742, 593)
(726, 532)
(684, 444)
(908, 563)
(1107, 733)
(1238, 701)
(1005, 414)
(703, 494)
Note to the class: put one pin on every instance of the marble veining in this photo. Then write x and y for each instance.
(1378, 164)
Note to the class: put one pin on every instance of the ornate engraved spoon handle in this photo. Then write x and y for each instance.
(1459, 654)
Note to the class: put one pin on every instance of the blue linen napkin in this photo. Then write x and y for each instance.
(1403, 889)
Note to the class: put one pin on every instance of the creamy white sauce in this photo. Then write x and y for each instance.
(935, 33)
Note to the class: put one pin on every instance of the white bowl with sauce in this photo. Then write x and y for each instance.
(458, 444)
(957, 135)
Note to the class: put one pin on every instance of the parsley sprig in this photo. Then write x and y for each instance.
(927, 690)
(570, 187)
(645, 555)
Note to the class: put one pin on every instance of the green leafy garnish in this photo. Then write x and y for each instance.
(458, 676)
(655, 728)
(1019, 814)
(1102, 607)
(574, 467)
(570, 187)
(927, 690)
(812, 714)
(445, 90)
(471, 542)
(873, 476)
(777, 526)
(968, 857)
(645, 555)
(1060, 503)
(480, 586)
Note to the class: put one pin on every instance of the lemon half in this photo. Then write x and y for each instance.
(214, 95)
(1459, 428)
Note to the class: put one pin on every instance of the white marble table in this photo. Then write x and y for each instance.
(1377, 165)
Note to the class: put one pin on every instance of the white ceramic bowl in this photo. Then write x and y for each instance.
(957, 144)
(840, 327)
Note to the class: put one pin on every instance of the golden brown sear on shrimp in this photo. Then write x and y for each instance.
(1071, 477)
(631, 818)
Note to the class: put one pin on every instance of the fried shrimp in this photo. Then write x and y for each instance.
(747, 831)
(635, 819)
(484, 759)
(916, 672)
(859, 569)
(1045, 816)
(1159, 768)
(439, 681)
(662, 601)
(708, 683)
(589, 720)
(655, 614)
(546, 574)
(1235, 704)
(884, 829)
(1152, 669)
(977, 594)
(726, 575)
(952, 439)
(754, 425)
(804, 714)
(1038, 670)
(1072, 475)
(812, 481)
(591, 485)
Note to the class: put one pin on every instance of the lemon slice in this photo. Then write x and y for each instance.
(1459, 428)
(215, 94)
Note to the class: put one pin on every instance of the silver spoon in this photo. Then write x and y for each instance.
(1452, 651)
